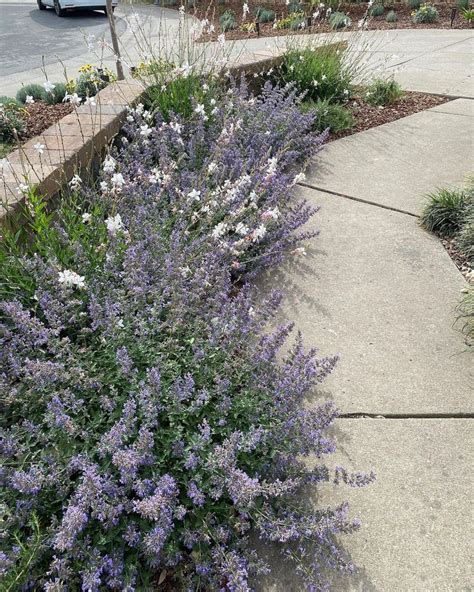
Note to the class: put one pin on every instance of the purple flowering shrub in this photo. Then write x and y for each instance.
(152, 419)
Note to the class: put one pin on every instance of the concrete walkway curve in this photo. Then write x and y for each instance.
(381, 292)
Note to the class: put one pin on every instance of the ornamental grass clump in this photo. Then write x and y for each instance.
(151, 417)
(445, 211)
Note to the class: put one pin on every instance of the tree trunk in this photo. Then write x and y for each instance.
(115, 43)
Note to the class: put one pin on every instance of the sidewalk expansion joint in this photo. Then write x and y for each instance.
(406, 416)
(359, 199)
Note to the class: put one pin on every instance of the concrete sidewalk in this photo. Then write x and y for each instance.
(381, 292)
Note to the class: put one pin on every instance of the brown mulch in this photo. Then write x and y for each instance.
(367, 116)
(213, 11)
(461, 261)
(40, 116)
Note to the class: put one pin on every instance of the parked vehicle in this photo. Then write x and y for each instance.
(62, 6)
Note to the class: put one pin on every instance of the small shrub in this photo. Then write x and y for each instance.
(33, 90)
(92, 79)
(319, 72)
(427, 13)
(414, 4)
(283, 23)
(265, 15)
(294, 7)
(228, 21)
(57, 94)
(294, 21)
(329, 115)
(248, 27)
(339, 20)
(12, 124)
(463, 4)
(468, 15)
(298, 21)
(377, 10)
(9, 101)
(391, 17)
(383, 92)
(445, 211)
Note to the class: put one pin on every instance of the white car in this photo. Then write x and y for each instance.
(61, 6)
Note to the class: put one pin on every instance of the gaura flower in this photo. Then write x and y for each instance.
(114, 224)
(71, 279)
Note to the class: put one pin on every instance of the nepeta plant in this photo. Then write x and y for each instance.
(152, 419)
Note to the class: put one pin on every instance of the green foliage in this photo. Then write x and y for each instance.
(298, 21)
(383, 92)
(228, 21)
(5, 148)
(319, 72)
(28, 550)
(12, 124)
(91, 80)
(463, 4)
(293, 21)
(465, 238)
(466, 315)
(295, 6)
(391, 17)
(181, 94)
(445, 211)
(468, 15)
(329, 115)
(56, 95)
(377, 10)
(265, 15)
(427, 13)
(9, 101)
(414, 4)
(33, 90)
(339, 20)
(39, 235)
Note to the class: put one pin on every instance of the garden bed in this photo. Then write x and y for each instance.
(37, 118)
(367, 116)
(40, 116)
(356, 12)
(153, 416)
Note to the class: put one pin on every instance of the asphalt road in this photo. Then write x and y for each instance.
(28, 35)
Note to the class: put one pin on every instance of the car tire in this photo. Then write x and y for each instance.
(41, 6)
(57, 8)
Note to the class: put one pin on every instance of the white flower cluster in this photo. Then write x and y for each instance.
(73, 98)
(71, 279)
(271, 166)
(75, 182)
(114, 224)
